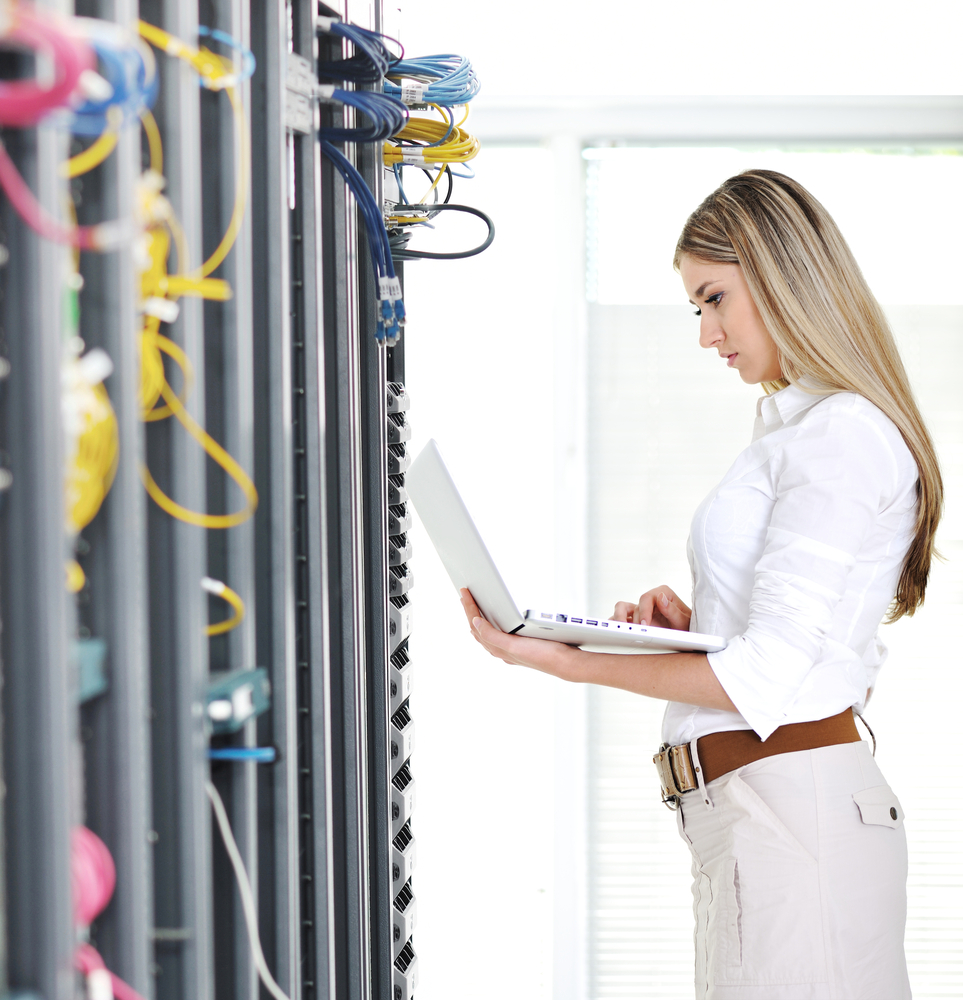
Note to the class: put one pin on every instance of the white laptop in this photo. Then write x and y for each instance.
(465, 557)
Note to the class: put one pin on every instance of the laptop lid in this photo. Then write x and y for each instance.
(456, 539)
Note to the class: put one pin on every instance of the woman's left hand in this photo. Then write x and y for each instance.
(540, 654)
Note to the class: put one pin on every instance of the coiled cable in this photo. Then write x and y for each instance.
(23, 103)
(371, 58)
(386, 115)
(443, 79)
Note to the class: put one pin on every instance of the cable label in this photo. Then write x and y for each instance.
(413, 92)
(389, 288)
(413, 157)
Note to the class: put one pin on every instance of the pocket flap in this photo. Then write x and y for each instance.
(879, 807)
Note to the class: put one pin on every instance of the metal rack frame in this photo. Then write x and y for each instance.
(290, 380)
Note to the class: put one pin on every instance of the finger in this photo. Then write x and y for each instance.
(646, 609)
(624, 612)
(672, 613)
(468, 603)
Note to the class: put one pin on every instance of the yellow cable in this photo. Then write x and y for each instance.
(217, 73)
(241, 185)
(441, 173)
(459, 147)
(153, 377)
(75, 576)
(220, 456)
(153, 141)
(92, 156)
(222, 590)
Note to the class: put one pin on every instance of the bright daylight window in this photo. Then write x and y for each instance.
(666, 421)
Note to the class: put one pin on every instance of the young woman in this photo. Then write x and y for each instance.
(823, 526)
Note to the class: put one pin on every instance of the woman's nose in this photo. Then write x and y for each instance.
(710, 332)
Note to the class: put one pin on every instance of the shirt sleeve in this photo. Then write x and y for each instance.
(830, 480)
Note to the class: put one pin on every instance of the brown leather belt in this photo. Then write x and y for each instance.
(720, 753)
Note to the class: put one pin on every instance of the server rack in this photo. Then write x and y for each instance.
(289, 378)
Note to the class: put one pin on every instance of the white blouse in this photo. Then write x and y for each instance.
(795, 558)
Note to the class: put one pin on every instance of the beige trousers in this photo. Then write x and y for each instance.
(799, 868)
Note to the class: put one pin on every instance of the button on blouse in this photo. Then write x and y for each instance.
(795, 558)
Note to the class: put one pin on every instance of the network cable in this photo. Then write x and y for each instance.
(405, 217)
(442, 79)
(427, 142)
(24, 103)
(93, 879)
(386, 114)
(372, 57)
(130, 81)
(244, 890)
(391, 307)
(160, 289)
(220, 589)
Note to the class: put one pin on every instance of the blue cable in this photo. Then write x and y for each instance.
(396, 169)
(448, 79)
(134, 84)
(248, 62)
(370, 61)
(387, 116)
(260, 755)
(391, 316)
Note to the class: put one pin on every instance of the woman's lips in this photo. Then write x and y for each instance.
(731, 359)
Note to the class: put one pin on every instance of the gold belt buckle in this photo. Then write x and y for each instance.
(676, 772)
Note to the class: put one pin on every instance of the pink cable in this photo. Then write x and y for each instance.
(94, 877)
(92, 873)
(87, 959)
(25, 102)
(35, 215)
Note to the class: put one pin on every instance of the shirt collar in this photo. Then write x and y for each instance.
(779, 408)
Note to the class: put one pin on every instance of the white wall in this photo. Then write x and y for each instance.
(480, 374)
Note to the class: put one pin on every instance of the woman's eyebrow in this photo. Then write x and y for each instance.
(702, 288)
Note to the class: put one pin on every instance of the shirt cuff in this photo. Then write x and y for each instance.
(761, 692)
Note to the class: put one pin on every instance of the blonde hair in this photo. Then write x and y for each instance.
(825, 322)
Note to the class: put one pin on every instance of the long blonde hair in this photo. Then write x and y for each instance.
(824, 320)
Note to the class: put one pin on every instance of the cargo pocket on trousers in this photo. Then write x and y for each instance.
(775, 921)
(878, 806)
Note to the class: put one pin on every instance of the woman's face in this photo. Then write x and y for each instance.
(730, 322)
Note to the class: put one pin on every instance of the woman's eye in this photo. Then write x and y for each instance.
(712, 300)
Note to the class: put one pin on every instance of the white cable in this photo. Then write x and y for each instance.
(244, 887)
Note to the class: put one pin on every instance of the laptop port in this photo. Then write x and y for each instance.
(561, 618)
(589, 621)
(576, 621)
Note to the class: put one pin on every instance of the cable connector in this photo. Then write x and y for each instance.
(323, 24)
(392, 310)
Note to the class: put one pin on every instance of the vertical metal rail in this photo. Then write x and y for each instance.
(39, 715)
(374, 443)
(274, 522)
(229, 348)
(311, 546)
(346, 547)
(179, 655)
(117, 750)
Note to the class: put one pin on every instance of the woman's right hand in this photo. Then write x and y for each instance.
(660, 607)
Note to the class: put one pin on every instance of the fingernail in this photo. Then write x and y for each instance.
(476, 623)
(663, 600)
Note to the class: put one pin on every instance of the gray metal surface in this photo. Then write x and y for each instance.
(229, 348)
(39, 714)
(276, 639)
(311, 539)
(117, 752)
(179, 660)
